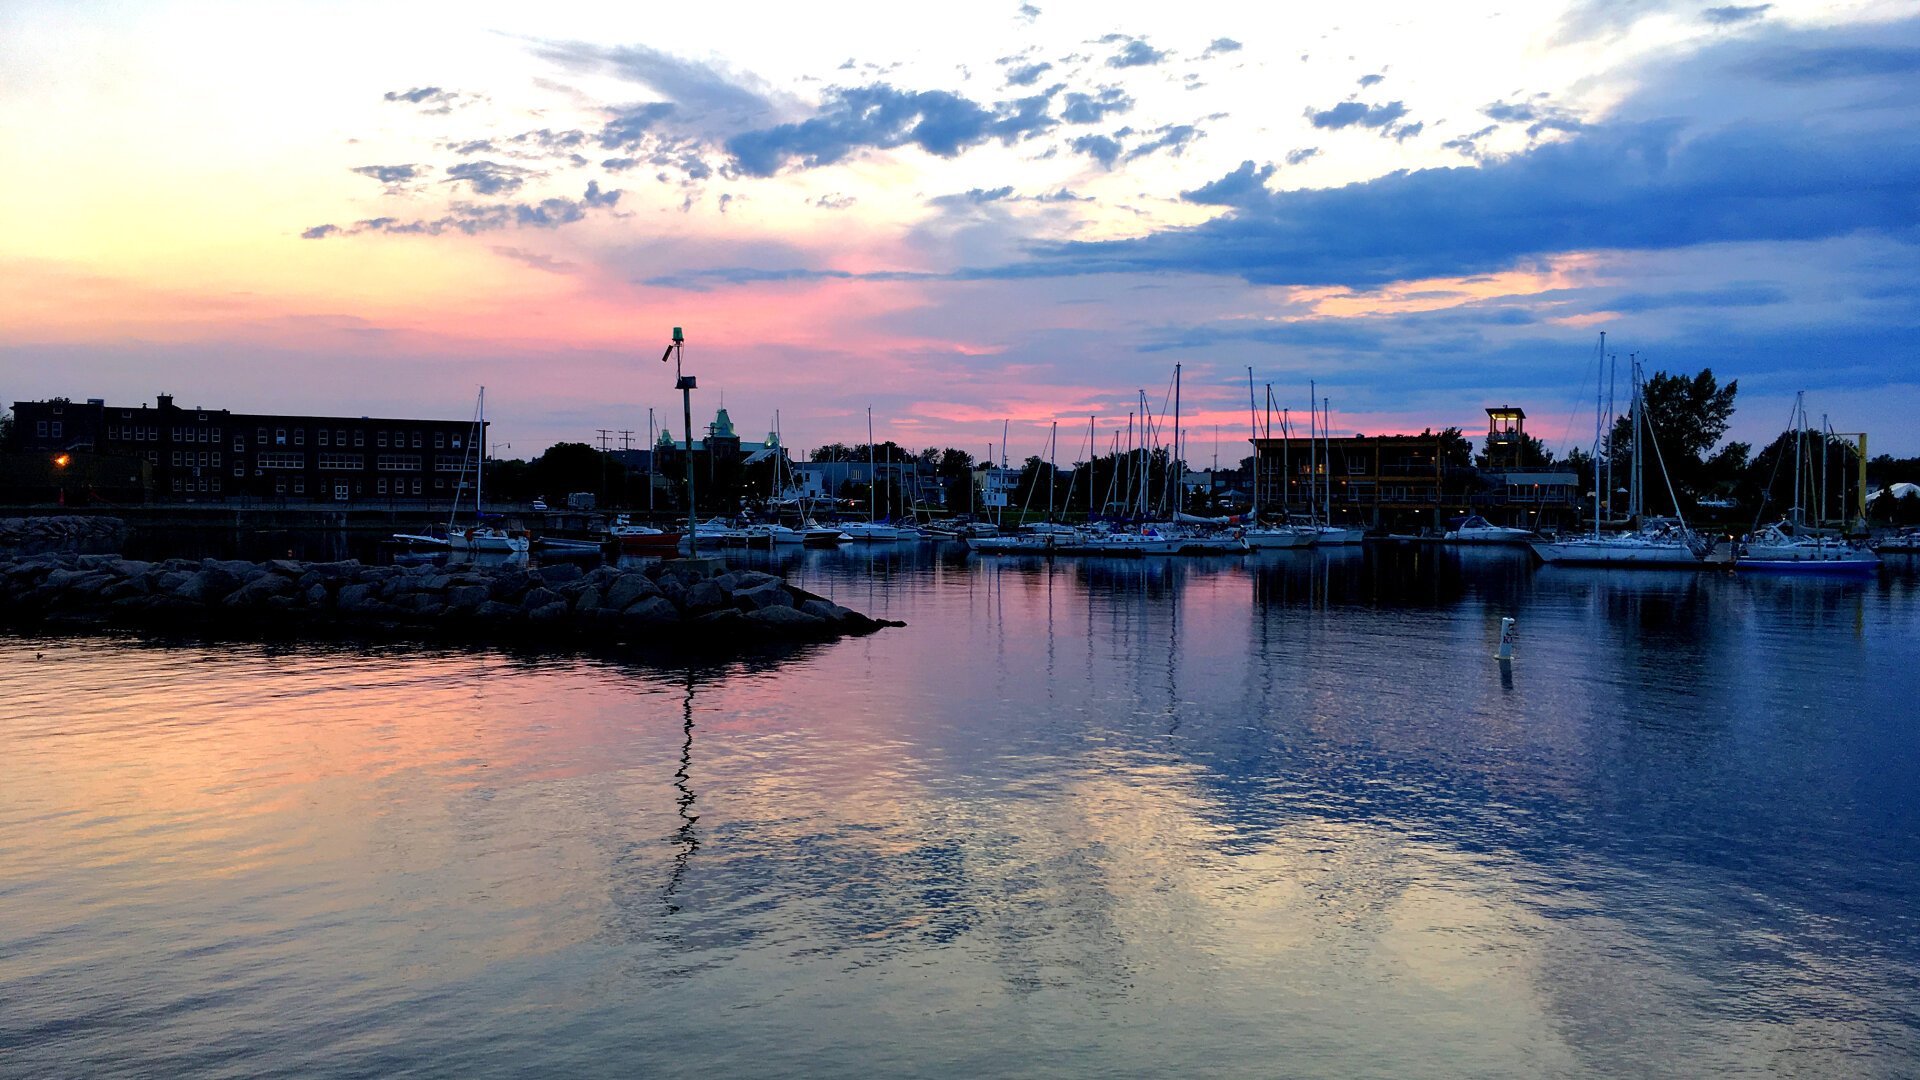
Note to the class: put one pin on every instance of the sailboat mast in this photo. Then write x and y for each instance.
(1053, 465)
(480, 469)
(1176, 466)
(873, 480)
(1599, 418)
(1326, 432)
(1799, 430)
(1313, 450)
(1253, 429)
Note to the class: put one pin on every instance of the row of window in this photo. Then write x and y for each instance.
(185, 458)
(48, 429)
(187, 483)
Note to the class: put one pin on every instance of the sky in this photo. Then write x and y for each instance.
(971, 219)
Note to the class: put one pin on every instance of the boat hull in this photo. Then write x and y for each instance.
(1603, 553)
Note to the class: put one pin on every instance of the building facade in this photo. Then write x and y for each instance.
(215, 455)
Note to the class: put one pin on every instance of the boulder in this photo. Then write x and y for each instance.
(742, 580)
(560, 574)
(256, 592)
(585, 600)
(493, 611)
(705, 596)
(767, 594)
(827, 609)
(539, 598)
(650, 611)
(466, 597)
(547, 614)
(627, 588)
(357, 599)
(786, 621)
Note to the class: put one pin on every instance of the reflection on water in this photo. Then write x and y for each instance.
(1280, 814)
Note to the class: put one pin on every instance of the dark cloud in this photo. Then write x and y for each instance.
(973, 197)
(1726, 16)
(1302, 154)
(471, 219)
(1027, 74)
(1135, 53)
(1244, 186)
(1220, 45)
(1092, 108)
(418, 95)
(390, 175)
(1646, 185)
(631, 124)
(490, 177)
(1469, 144)
(1173, 139)
(1100, 148)
(882, 117)
(1355, 113)
(1740, 295)
(698, 89)
(1828, 63)
(1371, 80)
(473, 146)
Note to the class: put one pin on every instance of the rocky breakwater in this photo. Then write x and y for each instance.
(663, 604)
(34, 535)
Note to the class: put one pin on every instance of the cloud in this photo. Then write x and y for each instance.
(688, 83)
(1100, 148)
(631, 124)
(471, 219)
(834, 202)
(1737, 295)
(1835, 62)
(537, 260)
(1354, 113)
(1029, 12)
(1220, 45)
(1173, 139)
(395, 177)
(1302, 154)
(1135, 53)
(1244, 186)
(1727, 16)
(879, 116)
(490, 177)
(974, 197)
(1091, 108)
(1645, 185)
(1371, 80)
(1027, 74)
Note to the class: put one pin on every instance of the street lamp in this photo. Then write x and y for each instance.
(685, 384)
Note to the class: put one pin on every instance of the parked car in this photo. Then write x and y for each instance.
(539, 504)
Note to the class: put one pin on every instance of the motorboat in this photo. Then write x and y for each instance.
(1278, 537)
(869, 531)
(635, 539)
(1774, 548)
(1661, 544)
(1475, 529)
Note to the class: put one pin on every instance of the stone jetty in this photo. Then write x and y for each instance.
(664, 604)
(67, 532)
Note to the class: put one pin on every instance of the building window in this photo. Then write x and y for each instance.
(299, 486)
(239, 444)
(216, 483)
(359, 438)
(40, 429)
(439, 484)
(57, 427)
(216, 434)
(279, 485)
(416, 440)
(398, 463)
(176, 483)
(174, 458)
(281, 459)
(383, 438)
(439, 440)
(260, 436)
(299, 436)
(416, 485)
(216, 459)
(343, 462)
(323, 436)
(239, 470)
(381, 487)
(280, 436)
(456, 442)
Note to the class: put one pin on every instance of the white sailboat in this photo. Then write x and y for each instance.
(1660, 542)
(476, 536)
(1478, 530)
(1789, 546)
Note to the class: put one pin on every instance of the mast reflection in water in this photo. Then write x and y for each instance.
(1280, 814)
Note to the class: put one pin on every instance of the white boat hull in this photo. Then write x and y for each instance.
(1624, 553)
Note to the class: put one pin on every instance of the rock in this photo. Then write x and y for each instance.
(585, 600)
(705, 596)
(548, 613)
(765, 595)
(627, 588)
(786, 621)
(316, 595)
(291, 568)
(674, 590)
(357, 599)
(650, 611)
(539, 598)
(510, 586)
(560, 574)
(493, 611)
(742, 580)
(466, 597)
(719, 621)
(437, 583)
(826, 609)
(255, 593)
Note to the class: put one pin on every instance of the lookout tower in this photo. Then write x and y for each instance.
(1506, 435)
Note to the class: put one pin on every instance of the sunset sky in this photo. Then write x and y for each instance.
(960, 214)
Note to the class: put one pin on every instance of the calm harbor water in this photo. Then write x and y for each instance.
(1281, 815)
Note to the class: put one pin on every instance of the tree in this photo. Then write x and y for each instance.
(1689, 415)
(6, 430)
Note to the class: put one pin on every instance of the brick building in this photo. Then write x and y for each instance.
(213, 455)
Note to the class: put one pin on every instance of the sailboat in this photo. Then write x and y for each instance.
(477, 536)
(1660, 542)
(1789, 546)
(871, 530)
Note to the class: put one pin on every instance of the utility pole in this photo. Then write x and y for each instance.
(685, 384)
(604, 436)
(626, 440)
